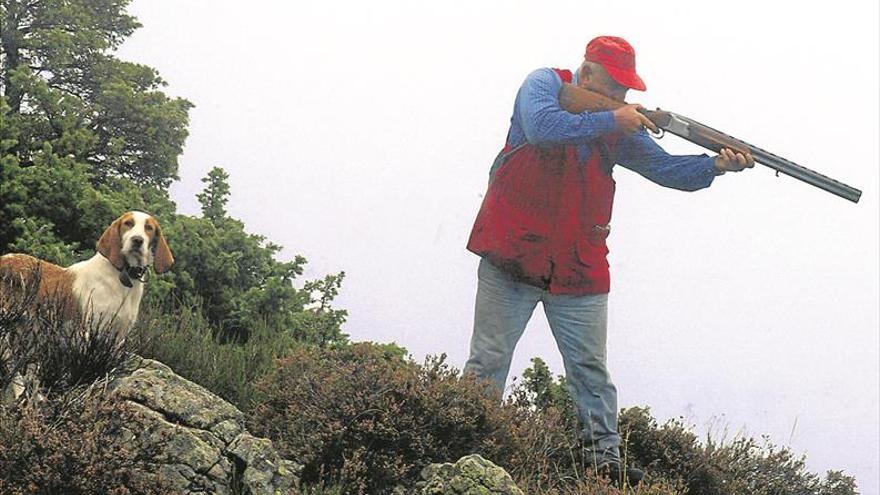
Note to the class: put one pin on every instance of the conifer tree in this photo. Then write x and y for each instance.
(215, 195)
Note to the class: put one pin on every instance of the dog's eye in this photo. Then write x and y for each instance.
(148, 228)
(129, 223)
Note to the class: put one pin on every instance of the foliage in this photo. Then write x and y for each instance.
(215, 196)
(234, 276)
(742, 466)
(50, 351)
(364, 420)
(70, 446)
(365, 417)
(64, 88)
(539, 390)
(86, 136)
(52, 210)
(58, 437)
(183, 338)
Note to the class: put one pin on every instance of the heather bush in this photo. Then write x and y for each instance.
(46, 349)
(70, 446)
(673, 452)
(740, 466)
(364, 418)
(53, 439)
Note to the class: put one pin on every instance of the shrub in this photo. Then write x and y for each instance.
(37, 340)
(63, 446)
(184, 339)
(741, 466)
(52, 440)
(365, 417)
(671, 451)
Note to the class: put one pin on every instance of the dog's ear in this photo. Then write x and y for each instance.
(110, 244)
(162, 258)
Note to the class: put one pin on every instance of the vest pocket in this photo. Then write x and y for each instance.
(592, 253)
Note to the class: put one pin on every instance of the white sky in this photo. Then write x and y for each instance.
(360, 135)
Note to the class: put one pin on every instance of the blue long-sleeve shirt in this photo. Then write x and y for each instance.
(539, 119)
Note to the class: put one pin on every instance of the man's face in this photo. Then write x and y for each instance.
(595, 78)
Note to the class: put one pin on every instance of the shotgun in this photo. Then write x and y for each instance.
(576, 100)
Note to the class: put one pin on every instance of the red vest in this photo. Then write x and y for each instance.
(545, 216)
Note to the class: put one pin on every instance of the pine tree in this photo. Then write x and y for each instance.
(63, 86)
(84, 135)
(215, 195)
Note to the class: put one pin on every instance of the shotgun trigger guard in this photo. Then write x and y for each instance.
(659, 134)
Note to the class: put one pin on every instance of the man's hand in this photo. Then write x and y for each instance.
(729, 161)
(629, 120)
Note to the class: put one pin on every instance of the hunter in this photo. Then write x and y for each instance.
(542, 228)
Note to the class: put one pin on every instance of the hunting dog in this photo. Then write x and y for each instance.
(105, 290)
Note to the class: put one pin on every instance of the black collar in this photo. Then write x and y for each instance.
(129, 273)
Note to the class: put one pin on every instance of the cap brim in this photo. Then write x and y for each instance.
(626, 78)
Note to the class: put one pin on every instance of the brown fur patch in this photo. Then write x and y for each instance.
(110, 243)
(18, 273)
(163, 259)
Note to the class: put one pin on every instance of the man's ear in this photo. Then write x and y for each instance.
(586, 73)
(110, 244)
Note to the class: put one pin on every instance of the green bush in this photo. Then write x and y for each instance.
(673, 452)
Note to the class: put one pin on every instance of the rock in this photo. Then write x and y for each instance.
(264, 471)
(197, 440)
(471, 475)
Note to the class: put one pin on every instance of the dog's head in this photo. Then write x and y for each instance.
(136, 239)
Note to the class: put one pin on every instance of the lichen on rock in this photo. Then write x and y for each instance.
(200, 440)
(470, 475)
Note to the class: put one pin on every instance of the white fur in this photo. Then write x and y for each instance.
(135, 258)
(102, 297)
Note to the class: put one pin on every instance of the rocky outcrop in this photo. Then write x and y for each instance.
(199, 441)
(471, 475)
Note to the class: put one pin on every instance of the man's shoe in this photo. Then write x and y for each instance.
(621, 476)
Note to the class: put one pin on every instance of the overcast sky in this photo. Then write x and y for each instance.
(360, 136)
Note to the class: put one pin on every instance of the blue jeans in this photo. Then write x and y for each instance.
(579, 323)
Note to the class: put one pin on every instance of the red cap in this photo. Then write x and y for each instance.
(618, 58)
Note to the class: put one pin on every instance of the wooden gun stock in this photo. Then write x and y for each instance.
(577, 100)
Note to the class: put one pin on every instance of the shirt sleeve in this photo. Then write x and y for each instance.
(639, 153)
(544, 121)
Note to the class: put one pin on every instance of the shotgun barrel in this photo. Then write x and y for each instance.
(715, 140)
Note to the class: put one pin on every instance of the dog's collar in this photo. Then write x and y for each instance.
(129, 273)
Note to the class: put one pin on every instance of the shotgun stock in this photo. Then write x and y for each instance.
(576, 100)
